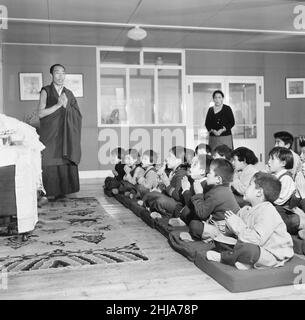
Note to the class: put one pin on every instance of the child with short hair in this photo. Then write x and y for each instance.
(211, 203)
(302, 146)
(111, 183)
(189, 156)
(166, 201)
(203, 148)
(222, 151)
(280, 161)
(285, 139)
(197, 174)
(244, 161)
(149, 180)
(262, 237)
(133, 171)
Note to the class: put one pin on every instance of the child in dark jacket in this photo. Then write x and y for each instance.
(133, 171)
(166, 201)
(112, 183)
(199, 168)
(211, 202)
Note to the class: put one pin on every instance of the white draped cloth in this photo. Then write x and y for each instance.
(28, 173)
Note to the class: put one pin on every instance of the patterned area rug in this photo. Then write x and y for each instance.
(70, 232)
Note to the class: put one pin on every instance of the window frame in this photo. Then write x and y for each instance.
(141, 65)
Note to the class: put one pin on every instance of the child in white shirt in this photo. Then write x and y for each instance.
(262, 237)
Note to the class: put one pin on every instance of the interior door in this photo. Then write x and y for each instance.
(243, 94)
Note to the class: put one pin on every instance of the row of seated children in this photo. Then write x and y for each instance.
(207, 205)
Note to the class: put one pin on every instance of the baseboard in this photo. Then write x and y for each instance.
(94, 174)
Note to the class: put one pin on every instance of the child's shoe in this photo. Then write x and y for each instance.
(301, 234)
(213, 256)
(185, 236)
(242, 266)
(155, 215)
(140, 203)
(176, 222)
(115, 191)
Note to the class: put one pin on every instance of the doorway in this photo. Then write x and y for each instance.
(246, 98)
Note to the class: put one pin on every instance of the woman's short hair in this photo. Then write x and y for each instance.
(218, 92)
(245, 154)
(269, 183)
(283, 154)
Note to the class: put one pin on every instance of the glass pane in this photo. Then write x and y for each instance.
(141, 104)
(170, 96)
(113, 96)
(242, 100)
(202, 99)
(162, 58)
(121, 57)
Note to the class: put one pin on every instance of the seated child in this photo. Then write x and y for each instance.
(133, 171)
(149, 180)
(112, 183)
(285, 139)
(189, 155)
(280, 161)
(297, 203)
(203, 148)
(222, 151)
(302, 146)
(262, 237)
(166, 201)
(199, 168)
(244, 161)
(211, 203)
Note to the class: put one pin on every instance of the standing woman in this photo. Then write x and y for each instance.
(60, 132)
(219, 122)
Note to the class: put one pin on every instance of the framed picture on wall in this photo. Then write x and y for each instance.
(295, 88)
(74, 82)
(30, 85)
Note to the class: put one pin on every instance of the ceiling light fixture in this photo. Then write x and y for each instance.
(137, 33)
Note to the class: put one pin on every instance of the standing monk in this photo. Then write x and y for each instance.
(60, 132)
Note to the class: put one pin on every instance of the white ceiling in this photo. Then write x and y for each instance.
(274, 15)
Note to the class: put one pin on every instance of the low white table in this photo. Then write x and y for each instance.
(25, 184)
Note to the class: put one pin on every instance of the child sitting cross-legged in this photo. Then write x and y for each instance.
(285, 139)
(262, 237)
(133, 171)
(197, 174)
(149, 180)
(244, 161)
(165, 202)
(111, 183)
(211, 202)
(297, 205)
(280, 162)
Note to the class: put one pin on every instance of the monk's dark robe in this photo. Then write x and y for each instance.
(60, 132)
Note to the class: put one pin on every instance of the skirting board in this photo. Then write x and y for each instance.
(92, 174)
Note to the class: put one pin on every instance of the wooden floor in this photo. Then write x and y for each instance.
(166, 275)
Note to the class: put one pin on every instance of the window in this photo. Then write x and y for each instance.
(138, 87)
